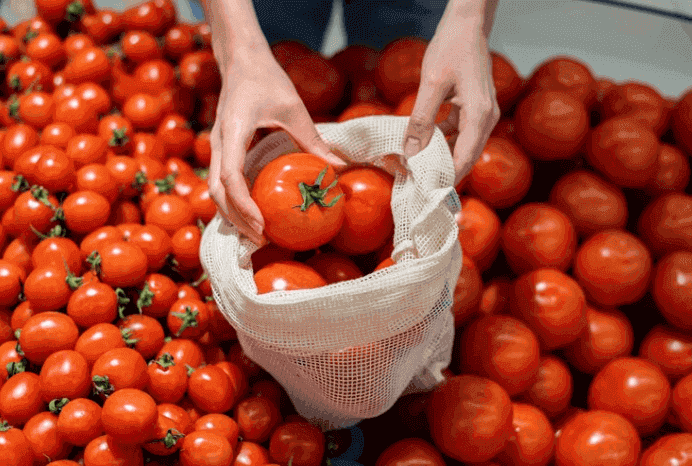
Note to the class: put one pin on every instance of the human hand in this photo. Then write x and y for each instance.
(457, 67)
(256, 93)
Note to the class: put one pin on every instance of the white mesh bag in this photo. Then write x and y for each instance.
(347, 351)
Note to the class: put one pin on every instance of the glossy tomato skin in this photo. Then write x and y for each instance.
(672, 171)
(670, 350)
(681, 403)
(46, 442)
(206, 448)
(299, 440)
(565, 74)
(597, 437)
(64, 374)
(368, 221)
(79, 421)
(257, 417)
(129, 416)
(672, 288)
(552, 389)
(533, 441)
(45, 333)
(287, 275)
(634, 388)
(682, 121)
(276, 192)
(508, 83)
(124, 368)
(669, 450)
(664, 224)
(15, 449)
(334, 267)
(467, 290)
(97, 340)
(20, 398)
(479, 231)
(222, 424)
(209, 388)
(122, 264)
(457, 406)
(105, 451)
(409, 450)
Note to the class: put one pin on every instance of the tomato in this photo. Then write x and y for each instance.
(8, 355)
(102, 26)
(15, 450)
(96, 96)
(169, 212)
(607, 336)
(201, 203)
(669, 450)
(479, 231)
(592, 203)
(188, 291)
(565, 74)
(533, 440)
(287, 275)
(210, 389)
(184, 352)
(79, 421)
(129, 416)
(220, 424)
(20, 398)
(399, 68)
(12, 278)
(96, 178)
(318, 82)
(363, 109)
(85, 211)
(502, 175)
(681, 403)
(143, 110)
(250, 454)
(638, 101)
(553, 387)
(106, 451)
(48, 49)
(36, 109)
(93, 303)
(116, 129)
(139, 46)
(121, 264)
(157, 296)
(17, 140)
(146, 333)
(502, 349)
(299, 442)
(322, 207)
(167, 438)
(97, 238)
(41, 432)
(188, 318)
(334, 267)
(45, 333)
(672, 171)
(17, 252)
(97, 340)
(467, 290)
(257, 418)
(49, 288)
(64, 374)
(178, 41)
(613, 268)
(117, 369)
(175, 135)
(672, 288)
(664, 225)
(597, 437)
(200, 72)
(147, 16)
(9, 48)
(178, 414)
(167, 380)
(76, 43)
(206, 448)
(89, 65)
(23, 74)
(670, 350)
(470, 418)
(53, 170)
(508, 83)
(148, 145)
(78, 113)
(552, 304)
(681, 121)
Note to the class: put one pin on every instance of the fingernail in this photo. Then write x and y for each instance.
(412, 146)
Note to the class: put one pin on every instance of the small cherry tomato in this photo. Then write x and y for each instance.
(79, 421)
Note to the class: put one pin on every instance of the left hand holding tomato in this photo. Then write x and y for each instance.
(457, 64)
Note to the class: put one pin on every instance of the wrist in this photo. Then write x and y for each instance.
(478, 14)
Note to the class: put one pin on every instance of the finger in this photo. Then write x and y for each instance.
(243, 211)
(451, 123)
(216, 190)
(421, 123)
(303, 130)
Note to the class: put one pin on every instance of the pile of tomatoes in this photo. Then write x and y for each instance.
(573, 310)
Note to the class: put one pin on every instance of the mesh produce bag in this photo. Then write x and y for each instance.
(346, 351)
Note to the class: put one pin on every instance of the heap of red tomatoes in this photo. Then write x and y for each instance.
(573, 310)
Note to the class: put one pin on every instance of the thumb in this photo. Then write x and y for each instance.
(421, 123)
(303, 130)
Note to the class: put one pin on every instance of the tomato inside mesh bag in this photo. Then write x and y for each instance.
(346, 351)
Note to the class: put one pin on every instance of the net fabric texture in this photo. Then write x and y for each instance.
(347, 351)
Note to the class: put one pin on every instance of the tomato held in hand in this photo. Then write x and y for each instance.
(302, 204)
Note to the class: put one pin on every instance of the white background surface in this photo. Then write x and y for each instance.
(619, 43)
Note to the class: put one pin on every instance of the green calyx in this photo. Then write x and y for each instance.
(188, 319)
(313, 194)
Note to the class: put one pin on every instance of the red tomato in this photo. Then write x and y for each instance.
(220, 424)
(196, 448)
(209, 388)
(79, 421)
(664, 225)
(20, 398)
(613, 267)
(467, 291)
(103, 26)
(334, 267)
(15, 450)
(399, 68)
(672, 288)
(533, 441)
(117, 369)
(97, 340)
(105, 451)
(552, 304)
(670, 350)
(671, 449)
(257, 417)
(167, 380)
(64, 374)
(188, 318)
(184, 352)
(57, 134)
(287, 275)
(470, 418)
(89, 65)
(300, 443)
(121, 264)
(682, 122)
(565, 74)
(322, 207)
(508, 83)
(672, 171)
(552, 389)
(41, 431)
(46, 333)
(638, 101)
(479, 231)
(129, 416)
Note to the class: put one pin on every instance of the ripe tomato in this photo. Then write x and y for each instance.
(48, 288)
(508, 83)
(613, 267)
(46, 333)
(363, 109)
(96, 96)
(143, 333)
(479, 231)
(41, 431)
(220, 424)
(97, 238)
(139, 46)
(143, 110)
(121, 264)
(200, 72)
(23, 74)
(636, 100)
(552, 389)
(669, 450)
(399, 68)
(97, 340)
(93, 303)
(533, 441)
(298, 442)
(287, 275)
(681, 121)
(257, 417)
(470, 418)
(595, 437)
(77, 113)
(188, 318)
(36, 109)
(184, 352)
(591, 203)
(17, 140)
(169, 212)
(319, 83)
(670, 350)
(97, 178)
(681, 406)
(129, 416)
(8, 354)
(48, 49)
(185, 247)
(672, 288)
(87, 149)
(157, 296)
(608, 335)
(85, 211)
(20, 398)
(64, 374)
(502, 175)
(538, 235)
(102, 26)
(12, 278)
(277, 192)
(251, 453)
(176, 136)
(168, 381)
(552, 304)
(15, 450)
(117, 369)
(76, 43)
(565, 74)
(201, 203)
(178, 41)
(106, 451)
(672, 171)
(502, 349)
(664, 224)
(467, 291)
(210, 389)
(408, 450)
(116, 129)
(334, 267)
(205, 448)
(79, 421)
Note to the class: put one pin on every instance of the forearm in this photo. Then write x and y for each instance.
(481, 12)
(234, 26)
